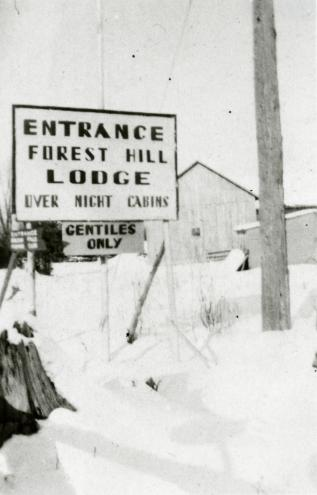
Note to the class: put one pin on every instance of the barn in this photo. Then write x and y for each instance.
(301, 234)
(210, 206)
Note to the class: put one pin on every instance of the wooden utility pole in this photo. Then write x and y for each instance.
(275, 283)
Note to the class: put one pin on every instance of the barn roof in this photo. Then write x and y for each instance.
(254, 225)
(297, 207)
(219, 175)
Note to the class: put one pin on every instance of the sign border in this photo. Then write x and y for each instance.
(94, 110)
(106, 221)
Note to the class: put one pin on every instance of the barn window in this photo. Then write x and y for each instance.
(196, 231)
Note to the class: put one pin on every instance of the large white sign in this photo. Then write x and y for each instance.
(71, 164)
(102, 238)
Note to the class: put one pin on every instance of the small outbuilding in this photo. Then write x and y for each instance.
(301, 233)
(210, 205)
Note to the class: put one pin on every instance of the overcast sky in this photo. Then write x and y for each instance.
(51, 55)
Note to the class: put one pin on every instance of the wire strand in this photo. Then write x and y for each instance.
(176, 53)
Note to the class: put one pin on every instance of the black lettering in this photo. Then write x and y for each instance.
(67, 125)
(75, 153)
(137, 132)
(89, 229)
(122, 229)
(100, 243)
(101, 131)
(84, 201)
(50, 127)
(37, 201)
(117, 243)
(89, 155)
(61, 153)
(47, 152)
(29, 125)
(83, 129)
(122, 131)
(80, 229)
(130, 155)
(149, 157)
(103, 153)
(99, 177)
(91, 243)
(161, 158)
(117, 177)
(140, 178)
(50, 174)
(157, 133)
(69, 230)
(32, 151)
(77, 177)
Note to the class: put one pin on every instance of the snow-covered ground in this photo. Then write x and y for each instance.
(241, 419)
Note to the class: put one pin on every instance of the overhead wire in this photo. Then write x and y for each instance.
(176, 53)
(100, 12)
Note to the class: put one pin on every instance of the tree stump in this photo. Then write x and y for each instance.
(26, 392)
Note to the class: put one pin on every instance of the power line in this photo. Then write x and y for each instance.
(176, 53)
(100, 11)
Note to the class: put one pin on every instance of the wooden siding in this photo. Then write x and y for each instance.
(211, 204)
(301, 233)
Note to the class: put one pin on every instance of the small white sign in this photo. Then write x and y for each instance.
(102, 238)
(85, 165)
(26, 240)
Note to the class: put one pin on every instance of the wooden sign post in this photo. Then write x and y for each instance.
(171, 285)
(32, 279)
(105, 305)
(24, 238)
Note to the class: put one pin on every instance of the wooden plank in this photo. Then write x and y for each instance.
(7, 277)
(131, 336)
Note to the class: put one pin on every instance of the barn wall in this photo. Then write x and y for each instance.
(301, 233)
(301, 239)
(211, 204)
(253, 244)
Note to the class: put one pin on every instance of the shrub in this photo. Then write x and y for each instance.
(52, 236)
(216, 315)
(5, 220)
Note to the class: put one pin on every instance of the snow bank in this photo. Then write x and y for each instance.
(245, 425)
